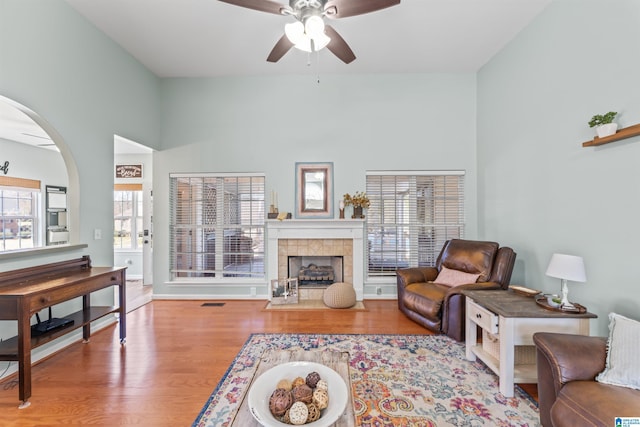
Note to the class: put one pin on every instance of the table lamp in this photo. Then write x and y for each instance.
(566, 267)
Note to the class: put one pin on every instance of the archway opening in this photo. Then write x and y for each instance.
(40, 155)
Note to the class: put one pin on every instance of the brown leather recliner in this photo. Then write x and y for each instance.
(568, 393)
(441, 308)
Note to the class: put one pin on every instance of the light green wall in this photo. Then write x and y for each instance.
(539, 189)
(266, 124)
(87, 88)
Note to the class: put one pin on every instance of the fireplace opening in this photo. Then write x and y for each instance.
(316, 271)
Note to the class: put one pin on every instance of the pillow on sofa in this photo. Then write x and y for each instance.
(622, 366)
(450, 277)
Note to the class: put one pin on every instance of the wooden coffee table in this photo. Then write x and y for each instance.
(338, 361)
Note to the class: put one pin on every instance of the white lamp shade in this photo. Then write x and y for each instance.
(314, 26)
(321, 41)
(304, 44)
(301, 36)
(568, 267)
(294, 32)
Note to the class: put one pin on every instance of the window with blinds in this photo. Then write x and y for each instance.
(411, 216)
(217, 225)
(19, 219)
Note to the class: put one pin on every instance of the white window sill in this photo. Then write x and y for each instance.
(45, 250)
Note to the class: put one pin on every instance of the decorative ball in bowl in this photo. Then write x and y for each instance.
(266, 395)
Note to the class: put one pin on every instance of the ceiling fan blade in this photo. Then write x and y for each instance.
(345, 8)
(268, 6)
(338, 46)
(282, 46)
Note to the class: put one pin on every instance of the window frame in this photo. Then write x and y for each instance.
(241, 221)
(409, 226)
(21, 185)
(136, 219)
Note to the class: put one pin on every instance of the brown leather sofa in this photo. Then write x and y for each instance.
(568, 394)
(441, 308)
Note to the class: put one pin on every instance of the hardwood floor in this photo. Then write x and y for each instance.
(176, 353)
(138, 294)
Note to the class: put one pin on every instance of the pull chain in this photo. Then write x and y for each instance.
(318, 65)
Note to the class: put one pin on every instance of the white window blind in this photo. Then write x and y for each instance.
(217, 225)
(412, 214)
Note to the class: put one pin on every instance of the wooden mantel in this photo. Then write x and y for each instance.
(623, 133)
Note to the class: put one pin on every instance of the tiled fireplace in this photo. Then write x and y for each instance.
(318, 271)
(317, 238)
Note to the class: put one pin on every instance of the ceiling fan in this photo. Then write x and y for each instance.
(309, 32)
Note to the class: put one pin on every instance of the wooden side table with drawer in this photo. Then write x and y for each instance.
(508, 322)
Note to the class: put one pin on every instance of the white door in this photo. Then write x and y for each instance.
(133, 230)
(147, 236)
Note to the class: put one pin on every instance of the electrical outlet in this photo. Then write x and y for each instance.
(253, 291)
(378, 290)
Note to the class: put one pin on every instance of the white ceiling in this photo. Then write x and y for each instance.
(17, 126)
(205, 38)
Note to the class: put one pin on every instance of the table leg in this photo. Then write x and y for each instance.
(507, 358)
(471, 334)
(583, 326)
(123, 308)
(24, 354)
(86, 308)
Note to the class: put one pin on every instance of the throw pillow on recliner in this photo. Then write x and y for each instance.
(450, 277)
(622, 366)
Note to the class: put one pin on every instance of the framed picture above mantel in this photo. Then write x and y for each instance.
(314, 190)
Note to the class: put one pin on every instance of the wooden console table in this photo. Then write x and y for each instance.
(508, 322)
(26, 291)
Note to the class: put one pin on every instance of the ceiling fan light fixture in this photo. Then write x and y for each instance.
(310, 33)
(294, 32)
(321, 41)
(302, 38)
(304, 44)
(314, 26)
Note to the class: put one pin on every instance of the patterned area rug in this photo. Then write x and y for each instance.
(396, 380)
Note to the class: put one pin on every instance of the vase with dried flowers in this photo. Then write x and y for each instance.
(359, 201)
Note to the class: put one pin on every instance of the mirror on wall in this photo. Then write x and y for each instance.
(314, 190)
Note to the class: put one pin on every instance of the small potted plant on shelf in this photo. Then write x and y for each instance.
(604, 124)
(359, 201)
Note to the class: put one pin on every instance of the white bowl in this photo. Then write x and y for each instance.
(266, 383)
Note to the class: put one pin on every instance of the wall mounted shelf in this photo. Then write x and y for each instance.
(623, 133)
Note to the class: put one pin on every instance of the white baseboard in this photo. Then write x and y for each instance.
(242, 297)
